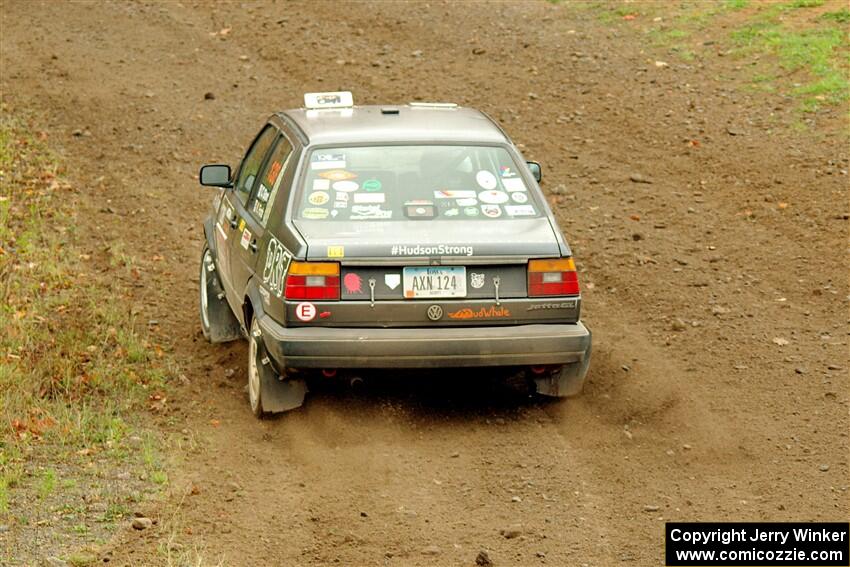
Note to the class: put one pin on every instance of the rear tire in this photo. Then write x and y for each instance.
(268, 393)
(255, 377)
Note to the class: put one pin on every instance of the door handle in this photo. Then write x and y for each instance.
(233, 222)
(253, 246)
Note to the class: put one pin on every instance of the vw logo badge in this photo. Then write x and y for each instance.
(435, 312)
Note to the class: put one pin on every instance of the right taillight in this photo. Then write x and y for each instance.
(552, 277)
(312, 280)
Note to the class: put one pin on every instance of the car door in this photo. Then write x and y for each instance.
(234, 214)
(257, 210)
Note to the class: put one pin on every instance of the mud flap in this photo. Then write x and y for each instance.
(224, 326)
(566, 383)
(276, 394)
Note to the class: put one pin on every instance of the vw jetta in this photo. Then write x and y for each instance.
(405, 236)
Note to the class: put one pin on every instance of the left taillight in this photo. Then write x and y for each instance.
(552, 277)
(312, 280)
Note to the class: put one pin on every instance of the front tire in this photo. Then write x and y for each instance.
(218, 322)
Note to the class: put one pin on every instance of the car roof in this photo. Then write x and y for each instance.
(396, 124)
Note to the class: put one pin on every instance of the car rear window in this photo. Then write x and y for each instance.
(389, 183)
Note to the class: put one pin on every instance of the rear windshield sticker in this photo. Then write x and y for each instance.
(277, 264)
(321, 184)
(259, 208)
(336, 251)
(467, 202)
(492, 211)
(518, 197)
(263, 194)
(447, 194)
(372, 185)
(340, 205)
(337, 175)
(451, 213)
(314, 213)
(369, 197)
(506, 171)
(486, 179)
(493, 197)
(347, 186)
(328, 161)
(520, 210)
(514, 184)
(341, 196)
(369, 212)
(274, 170)
(416, 210)
(319, 198)
(471, 211)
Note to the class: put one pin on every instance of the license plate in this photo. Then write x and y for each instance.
(434, 282)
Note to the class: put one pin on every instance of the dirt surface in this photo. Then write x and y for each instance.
(717, 293)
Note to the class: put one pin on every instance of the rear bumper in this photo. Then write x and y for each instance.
(335, 347)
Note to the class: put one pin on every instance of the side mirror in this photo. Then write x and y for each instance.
(216, 175)
(534, 167)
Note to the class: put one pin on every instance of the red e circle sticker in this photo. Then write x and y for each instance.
(305, 311)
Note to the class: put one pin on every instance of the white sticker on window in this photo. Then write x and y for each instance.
(486, 179)
(514, 184)
(369, 212)
(519, 210)
(321, 184)
(328, 161)
(369, 197)
(346, 186)
(319, 198)
(493, 197)
(447, 194)
(467, 202)
(263, 193)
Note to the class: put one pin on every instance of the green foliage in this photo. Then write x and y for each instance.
(76, 369)
(841, 16)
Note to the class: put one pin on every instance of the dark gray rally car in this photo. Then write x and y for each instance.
(411, 236)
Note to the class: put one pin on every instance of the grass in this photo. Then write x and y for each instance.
(840, 16)
(76, 371)
(804, 49)
(814, 54)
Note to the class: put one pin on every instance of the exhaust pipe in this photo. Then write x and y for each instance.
(356, 383)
